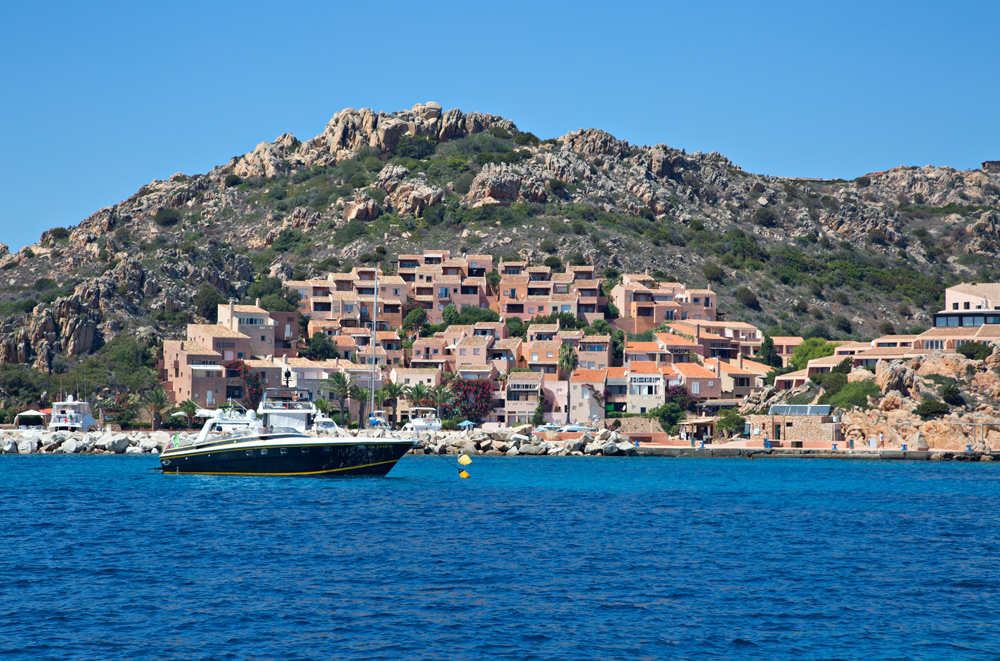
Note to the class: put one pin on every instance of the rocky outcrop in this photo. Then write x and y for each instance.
(407, 197)
(361, 207)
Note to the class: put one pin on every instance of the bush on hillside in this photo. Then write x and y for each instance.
(975, 350)
(765, 217)
(929, 408)
(414, 146)
(852, 395)
(713, 272)
(747, 298)
(167, 217)
(233, 180)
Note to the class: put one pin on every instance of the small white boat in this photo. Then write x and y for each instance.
(72, 416)
(423, 419)
(378, 420)
(325, 423)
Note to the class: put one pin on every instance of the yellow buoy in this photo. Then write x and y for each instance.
(464, 460)
(463, 474)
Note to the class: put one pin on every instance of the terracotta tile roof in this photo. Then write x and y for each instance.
(510, 344)
(700, 291)
(643, 367)
(196, 349)
(564, 298)
(488, 324)
(515, 280)
(459, 328)
(574, 334)
(216, 331)
(245, 308)
(544, 345)
(325, 323)
(298, 362)
(672, 340)
(474, 341)
(391, 280)
(755, 367)
(990, 290)
(642, 346)
(525, 376)
(989, 330)
(259, 364)
(617, 372)
(417, 371)
(728, 368)
(543, 328)
(950, 331)
(878, 352)
(479, 258)
(787, 339)
(474, 282)
(342, 276)
(337, 363)
(580, 376)
(379, 350)
(794, 375)
(691, 371)
(562, 278)
(596, 338)
(344, 341)
(448, 279)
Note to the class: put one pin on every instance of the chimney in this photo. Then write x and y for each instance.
(739, 360)
(718, 367)
(256, 302)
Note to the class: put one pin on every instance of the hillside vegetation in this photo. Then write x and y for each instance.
(832, 259)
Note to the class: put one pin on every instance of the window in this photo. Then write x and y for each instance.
(711, 384)
(695, 388)
(534, 357)
(541, 308)
(475, 352)
(697, 299)
(965, 306)
(407, 382)
(461, 352)
(395, 291)
(240, 355)
(548, 354)
(565, 308)
(954, 306)
(348, 308)
(531, 310)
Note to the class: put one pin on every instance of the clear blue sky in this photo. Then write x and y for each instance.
(100, 98)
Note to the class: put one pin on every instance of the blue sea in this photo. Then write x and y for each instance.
(530, 558)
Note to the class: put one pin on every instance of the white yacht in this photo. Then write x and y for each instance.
(288, 407)
(230, 444)
(72, 416)
(423, 418)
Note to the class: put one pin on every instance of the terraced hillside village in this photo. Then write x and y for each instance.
(833, 258)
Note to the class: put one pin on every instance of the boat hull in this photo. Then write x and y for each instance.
(292, 458)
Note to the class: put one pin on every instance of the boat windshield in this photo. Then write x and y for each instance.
(297, 399)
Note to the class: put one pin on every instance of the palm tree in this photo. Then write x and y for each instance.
(323, 405)
(441, 395)
(156, 401)
(340, 384)
(391, 393)
(188, 407)
(568, 360)
(416, 394)
(361, 395)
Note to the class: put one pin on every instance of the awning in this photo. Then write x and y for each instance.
(209, 368)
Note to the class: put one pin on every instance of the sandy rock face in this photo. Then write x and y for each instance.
(361, 207)
(893, 376)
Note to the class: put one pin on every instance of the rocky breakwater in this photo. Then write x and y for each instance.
(517, 441)
(44, 442)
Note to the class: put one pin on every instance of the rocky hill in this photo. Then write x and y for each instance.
(795, 256)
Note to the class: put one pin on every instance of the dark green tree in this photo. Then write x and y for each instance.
(767, 354)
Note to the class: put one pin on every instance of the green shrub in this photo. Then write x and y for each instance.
(547, 245)
(359, 180)
(557, 186)
(59, 233)
(289, 239)
(885, 328)
(713, 272)
(930, 408)
(207, 302)
(166, 217)
(353, 230)
(853, 395)
(765, 217)
(232, 180)
(463, 184)
(975, 350)
(526, 139)
(950, 394)
(416, 147)
(747, 298)
(276, 193)
(553, 263)
(842, 324)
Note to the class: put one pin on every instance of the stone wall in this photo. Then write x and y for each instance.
(807, 429)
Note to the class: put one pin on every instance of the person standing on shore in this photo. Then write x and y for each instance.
(767, 440)
(881, 440)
